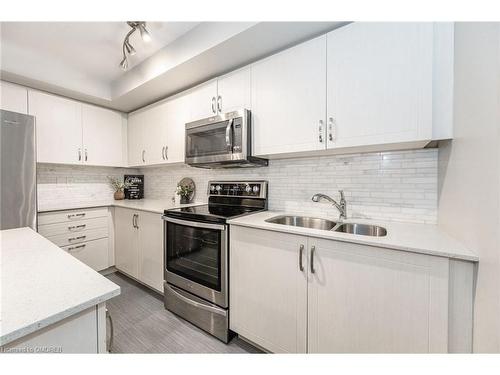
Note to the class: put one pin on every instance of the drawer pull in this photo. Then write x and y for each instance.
(77, 238)
(70, 216)
(73, 227)
(76, 247)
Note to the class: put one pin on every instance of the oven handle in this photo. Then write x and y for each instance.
(194, 223)
(195, 303)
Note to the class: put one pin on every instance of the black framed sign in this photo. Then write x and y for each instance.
(136, 189)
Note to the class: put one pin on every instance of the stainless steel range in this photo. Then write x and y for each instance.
(196, 246)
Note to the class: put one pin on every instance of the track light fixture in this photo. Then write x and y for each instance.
(127, 48)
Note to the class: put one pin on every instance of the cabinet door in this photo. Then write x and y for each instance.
(13, 98)
(379, 83)
(202, 101)
(371, 300)
(93, 253)
(176, 116)
(58, 128)
(234, 91)
(151, 249)
(126, 242)
(135, 139)
(103, 136)
(289, 100)
(268, 294)
(154, 133)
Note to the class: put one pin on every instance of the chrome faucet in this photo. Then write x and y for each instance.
(341, 206)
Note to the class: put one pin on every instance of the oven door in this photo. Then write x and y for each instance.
(196, 258)
(217, 139)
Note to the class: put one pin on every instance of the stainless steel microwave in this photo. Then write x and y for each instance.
(222, 141)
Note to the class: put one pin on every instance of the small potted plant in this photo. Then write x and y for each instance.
(118, 186)
(184, 192)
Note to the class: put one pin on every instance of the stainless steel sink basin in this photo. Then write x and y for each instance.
(362, 229)
(303, 221)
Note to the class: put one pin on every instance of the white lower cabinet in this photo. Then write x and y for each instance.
(82, 233)
(139, 246)
(335, 297)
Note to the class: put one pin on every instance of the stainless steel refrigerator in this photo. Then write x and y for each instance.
(18, 171)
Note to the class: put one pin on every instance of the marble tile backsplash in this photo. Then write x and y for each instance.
(399, 186)
(67, 184)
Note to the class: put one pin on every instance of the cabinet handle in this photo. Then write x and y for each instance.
(219, 104)
(301, 250)
(320, 130)
(77, 238)
(331, 129)
(166, 152)
(143, 152)
(163, 153)
(313, 249)
(137, 221)
(86, 155)
(79, 155)
(76, 247)
(133, 220)
(213, 105)
(81, 226)
(70, 216)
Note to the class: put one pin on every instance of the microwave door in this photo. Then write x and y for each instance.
(209, 143)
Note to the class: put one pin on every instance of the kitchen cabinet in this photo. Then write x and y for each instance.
(70, 132)
(379, 83)
(104, 136)
(352, 298)
(203, 101)
(234, 91)
(289, 100)
(268, 294)
(82, 233)
(58, 128)
(156, 133)
(13, 98)
(139, 246)
(373, 300)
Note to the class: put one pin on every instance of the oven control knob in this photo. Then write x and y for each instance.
(255, 189)
(248, 189)
(212, 187)
(218, 188)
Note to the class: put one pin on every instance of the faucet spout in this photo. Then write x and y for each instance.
(341, 206)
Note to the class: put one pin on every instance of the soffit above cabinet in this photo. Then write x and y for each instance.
(80, 60)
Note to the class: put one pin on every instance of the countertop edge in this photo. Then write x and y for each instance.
(36, 326)
(357, 240)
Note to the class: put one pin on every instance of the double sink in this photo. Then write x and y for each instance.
(323, 224)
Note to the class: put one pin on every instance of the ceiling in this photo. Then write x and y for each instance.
(81, 59)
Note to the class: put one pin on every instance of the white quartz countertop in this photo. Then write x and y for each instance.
(417, 238)
(41, 284)
(150, 205)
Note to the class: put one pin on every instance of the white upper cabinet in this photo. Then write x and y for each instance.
(177, 112)
(289, 100)
(203, 101)
(379, 84)
(135, 138)
(13, 98)
(104, 136)
(234, 91)
(58, 128)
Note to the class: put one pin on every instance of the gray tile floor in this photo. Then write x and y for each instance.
(142, 325)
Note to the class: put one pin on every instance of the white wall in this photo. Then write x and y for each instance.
(469, 173)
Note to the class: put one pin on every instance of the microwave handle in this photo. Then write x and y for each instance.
(229, 138)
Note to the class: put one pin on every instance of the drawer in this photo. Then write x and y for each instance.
(71, 215)
(72, 227)
(77, 237)
(93, 253)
